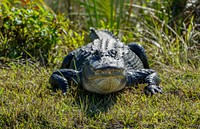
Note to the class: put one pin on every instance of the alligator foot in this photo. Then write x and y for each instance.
(152, 89)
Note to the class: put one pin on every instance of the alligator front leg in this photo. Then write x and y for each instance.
(60, 79)
(67, 60)
(148, 76)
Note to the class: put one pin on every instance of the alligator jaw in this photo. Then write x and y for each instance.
(103, 81)
(92, 74)
(104, 85)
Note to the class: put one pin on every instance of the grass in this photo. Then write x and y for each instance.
(28, 102)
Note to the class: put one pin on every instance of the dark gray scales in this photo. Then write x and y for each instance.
(106, 65)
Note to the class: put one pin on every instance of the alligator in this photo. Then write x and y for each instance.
(106, 65)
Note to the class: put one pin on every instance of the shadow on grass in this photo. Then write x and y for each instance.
(92, 103)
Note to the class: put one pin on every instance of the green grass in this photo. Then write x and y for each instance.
(28, 102)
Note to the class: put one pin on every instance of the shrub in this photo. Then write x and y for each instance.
(32, 30)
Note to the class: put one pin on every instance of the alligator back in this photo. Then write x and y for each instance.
(105, 42)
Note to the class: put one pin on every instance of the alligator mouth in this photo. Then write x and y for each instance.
(103, 80)
(109, 72)
(93, 74)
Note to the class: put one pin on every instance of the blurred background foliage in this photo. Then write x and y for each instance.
(47, 30)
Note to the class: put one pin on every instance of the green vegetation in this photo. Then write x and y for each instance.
(33, 31)
(26, 102)
(35, 37)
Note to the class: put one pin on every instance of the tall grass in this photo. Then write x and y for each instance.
(165, 27)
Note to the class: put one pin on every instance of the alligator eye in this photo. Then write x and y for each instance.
(97, 54)
(112, 53)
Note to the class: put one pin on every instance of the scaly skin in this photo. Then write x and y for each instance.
(106, 65)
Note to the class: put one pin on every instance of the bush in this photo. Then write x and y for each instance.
(32, 30)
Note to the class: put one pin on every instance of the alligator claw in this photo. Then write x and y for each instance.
(152, 89)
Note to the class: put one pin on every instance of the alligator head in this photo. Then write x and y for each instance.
(104, 72)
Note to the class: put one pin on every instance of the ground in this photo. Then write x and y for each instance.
(27, 101)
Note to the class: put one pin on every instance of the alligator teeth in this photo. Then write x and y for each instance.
(107, 71)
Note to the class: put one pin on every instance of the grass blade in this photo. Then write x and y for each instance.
(111, 13)
(95, 13)
(88, 11)
(120, 13)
